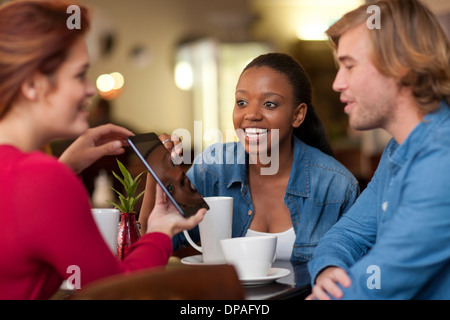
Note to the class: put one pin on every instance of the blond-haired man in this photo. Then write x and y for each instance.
(393, 243)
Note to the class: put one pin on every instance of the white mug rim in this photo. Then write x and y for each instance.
(216, 198)
(101, 210)
(248, 239)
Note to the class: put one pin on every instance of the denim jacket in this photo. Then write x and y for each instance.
(319, 191)
(395, 241)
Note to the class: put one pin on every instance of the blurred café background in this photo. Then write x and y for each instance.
(161, 65)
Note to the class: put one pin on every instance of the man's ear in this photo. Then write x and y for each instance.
(299, 115)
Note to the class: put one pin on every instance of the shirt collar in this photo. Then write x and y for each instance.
(399, 154)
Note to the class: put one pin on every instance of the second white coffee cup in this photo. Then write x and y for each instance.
(215, 226)
(251, 256)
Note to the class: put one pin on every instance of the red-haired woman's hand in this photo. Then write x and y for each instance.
(105, 140)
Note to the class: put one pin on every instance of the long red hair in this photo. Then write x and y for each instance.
(34, 37)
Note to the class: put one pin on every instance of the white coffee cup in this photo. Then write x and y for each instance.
(215, 226)
(107, 220)
(251, 256)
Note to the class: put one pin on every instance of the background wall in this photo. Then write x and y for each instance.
(150, 100)
(139, 38)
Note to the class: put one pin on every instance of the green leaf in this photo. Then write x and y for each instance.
(136, 199)
(140, 195)
(137, 180)
(123, 202)
(116, 205)
(118, 192)
(126, 175)
(134, 186)
(130, 184)
(132, 189)
(118, 178)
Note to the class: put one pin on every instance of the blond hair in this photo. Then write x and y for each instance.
(410, 46)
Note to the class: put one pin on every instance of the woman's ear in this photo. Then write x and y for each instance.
(32, 87)
(299, 115)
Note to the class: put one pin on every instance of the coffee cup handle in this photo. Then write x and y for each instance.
(192, 243)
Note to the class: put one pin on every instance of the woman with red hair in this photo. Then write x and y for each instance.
(47, 225)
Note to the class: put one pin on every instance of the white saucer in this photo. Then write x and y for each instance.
(197, 260)
(274, 273)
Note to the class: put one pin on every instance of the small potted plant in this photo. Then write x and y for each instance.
(128, 229)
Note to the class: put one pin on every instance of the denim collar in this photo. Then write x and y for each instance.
(399, 154)
(299, 177)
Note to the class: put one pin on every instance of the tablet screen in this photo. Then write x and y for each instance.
(170, 177)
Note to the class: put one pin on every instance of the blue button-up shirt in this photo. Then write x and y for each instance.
(395, 241)
(319, 191)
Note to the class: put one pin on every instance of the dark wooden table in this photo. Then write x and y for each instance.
(296, 285)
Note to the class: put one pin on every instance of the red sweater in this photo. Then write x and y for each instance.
(46, 226)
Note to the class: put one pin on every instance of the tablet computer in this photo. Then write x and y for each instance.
(172, 179)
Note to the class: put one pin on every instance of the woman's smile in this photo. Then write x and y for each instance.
(255, 135)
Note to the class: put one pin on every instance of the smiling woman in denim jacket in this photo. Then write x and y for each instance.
(301, 195)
